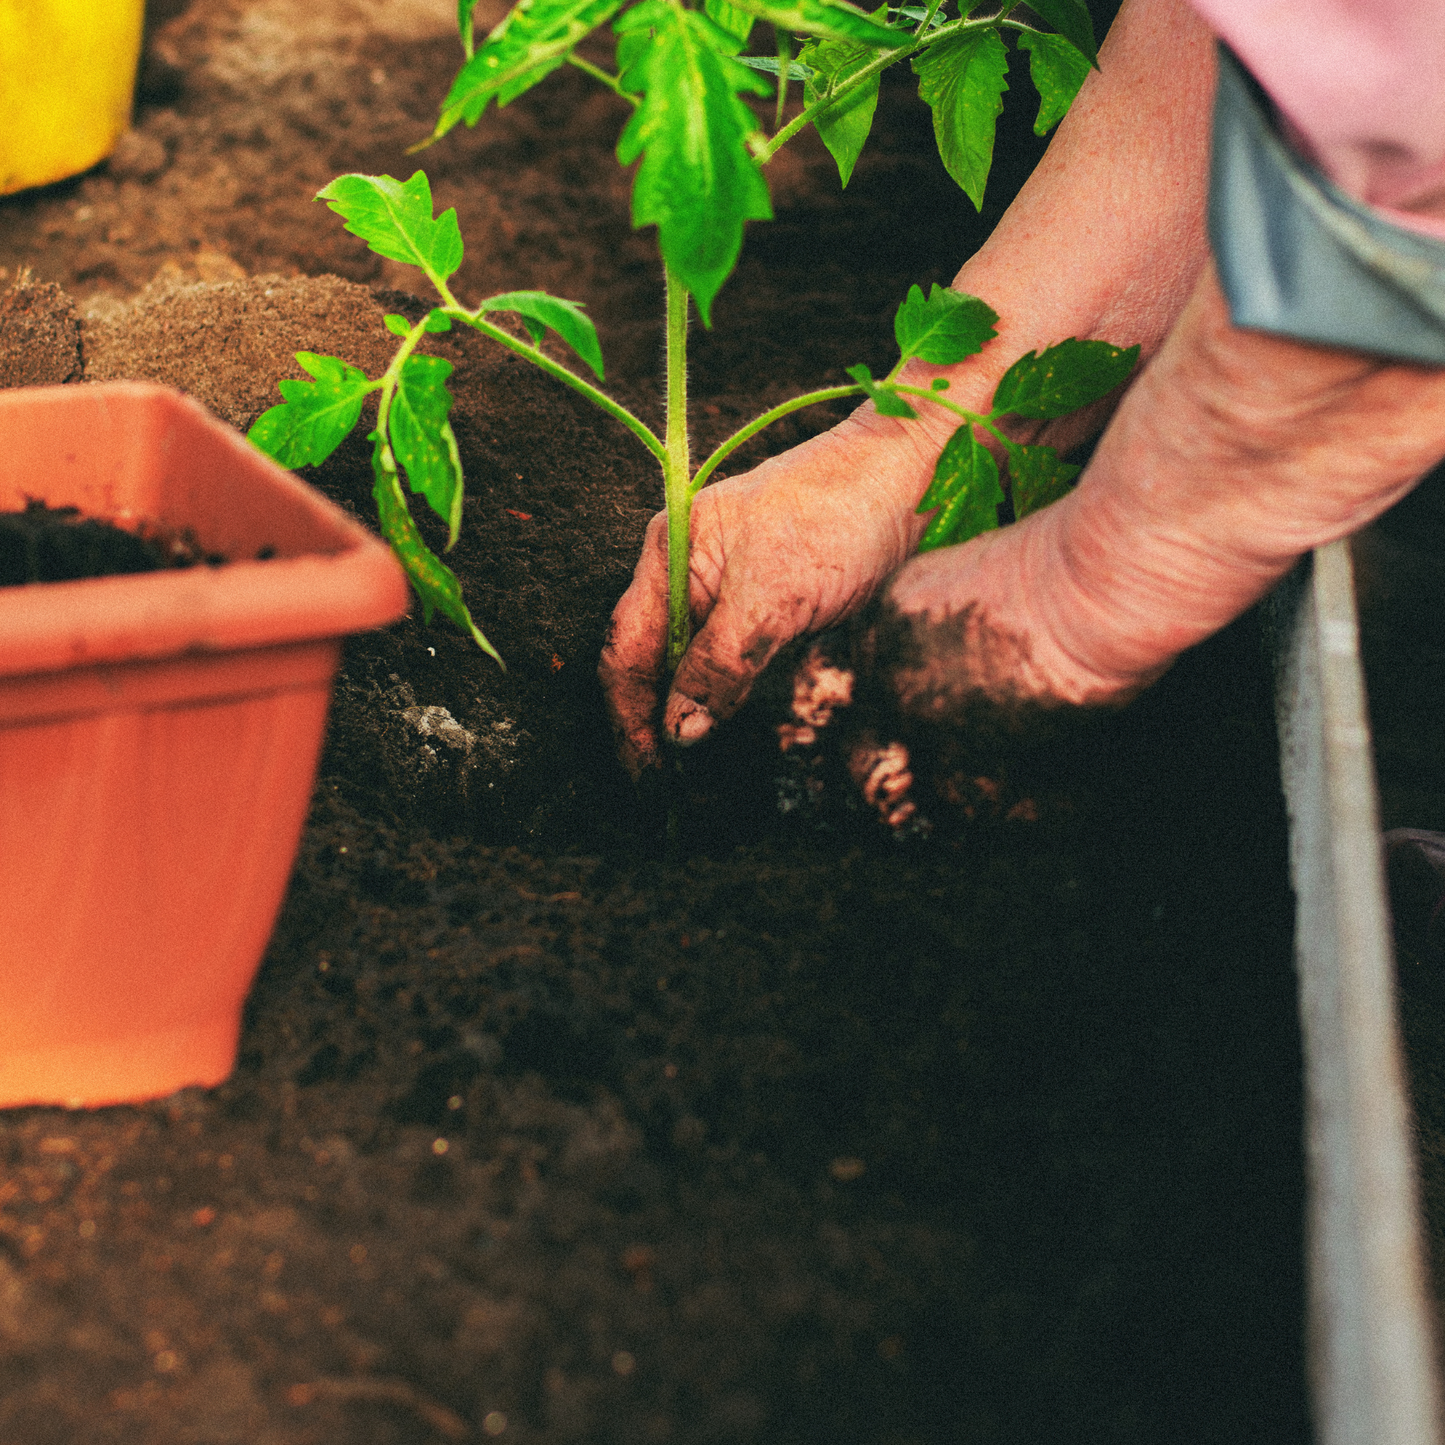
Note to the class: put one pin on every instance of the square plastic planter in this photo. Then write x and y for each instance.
(158, 740)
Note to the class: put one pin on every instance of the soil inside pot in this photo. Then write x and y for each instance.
(539, 1133)
(40, 543)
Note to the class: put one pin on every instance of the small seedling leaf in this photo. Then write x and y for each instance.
(395, 219)
(1058, 69)
(944, 328)
(438, 321)
(433, 581)
(1037, 477)
(698, 183)
(826, 21)
(963, 80)
(316, 416)
(539, 311)
(886, 401)
(530, 42)
(844, 125)
(737, 23)
(397, 325)
(1062, 379)
(1071, 19)
(422, 438)
(965, 489)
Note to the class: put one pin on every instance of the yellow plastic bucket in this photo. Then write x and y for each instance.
(67, 76)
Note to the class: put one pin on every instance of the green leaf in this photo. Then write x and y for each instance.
(1071, 19)
(397, 325)
(771, 66)
(844, 125)
(464, 25)
(965, 489)
(539, 311)
(825, 21)
(1062, 379)
(885, 399)
(1058, 69)
(438, 321)
(394, 218)
(945, 328)
(697, 183)
(532, 40)
(963, 80)
(316, 415)
(1037, 477)
(422, 438)
(434, 582)
(737, 23)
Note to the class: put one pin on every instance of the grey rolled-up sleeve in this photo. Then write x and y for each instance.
(1298, 257)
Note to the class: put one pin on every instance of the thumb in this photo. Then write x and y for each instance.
(718, 670)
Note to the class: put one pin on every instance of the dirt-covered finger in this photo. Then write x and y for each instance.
(633, 664)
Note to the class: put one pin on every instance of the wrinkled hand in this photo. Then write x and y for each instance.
(791, 547)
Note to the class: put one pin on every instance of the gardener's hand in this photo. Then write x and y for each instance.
(791, 547)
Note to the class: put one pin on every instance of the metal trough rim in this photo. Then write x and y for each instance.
(1370, 1327)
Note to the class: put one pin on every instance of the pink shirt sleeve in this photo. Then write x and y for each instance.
(1360, 85)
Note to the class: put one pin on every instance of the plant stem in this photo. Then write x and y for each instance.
(879, 63)
(985, 422)
(676, 474)
(539, 358)
(831, 393)
(597, 73)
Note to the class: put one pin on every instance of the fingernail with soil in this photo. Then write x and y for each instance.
(692, 726)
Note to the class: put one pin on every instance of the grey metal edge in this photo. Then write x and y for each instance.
(1369, 1329)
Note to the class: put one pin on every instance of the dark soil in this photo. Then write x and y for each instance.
(539, 1131)
(57, 544)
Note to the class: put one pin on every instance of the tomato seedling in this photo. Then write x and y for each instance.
(701, 152)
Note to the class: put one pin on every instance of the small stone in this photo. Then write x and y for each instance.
(138, 157)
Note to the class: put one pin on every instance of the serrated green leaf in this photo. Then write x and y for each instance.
(844, 125)
(1058, 69)
(438, 321)
(1037, 477)
(530, 42)
(885, 400)
(698, 183)
(965, 489)
(422, 439)
(945, 328)
(1063, 379)
(826, 21)
(397, 325)
(395, 219)
(540, 311)
(432, 580)
(316, 415)
(963, 79)
(1072, 20)
(737, 23)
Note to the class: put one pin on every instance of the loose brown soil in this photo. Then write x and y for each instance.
(541, 1131)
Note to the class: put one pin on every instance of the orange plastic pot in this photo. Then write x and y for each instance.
(158, 740)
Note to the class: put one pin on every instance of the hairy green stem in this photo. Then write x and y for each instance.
(765, 152)
(937, 399)
(676, 474)
(831, 393)
(612, 82)
(540, 359)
